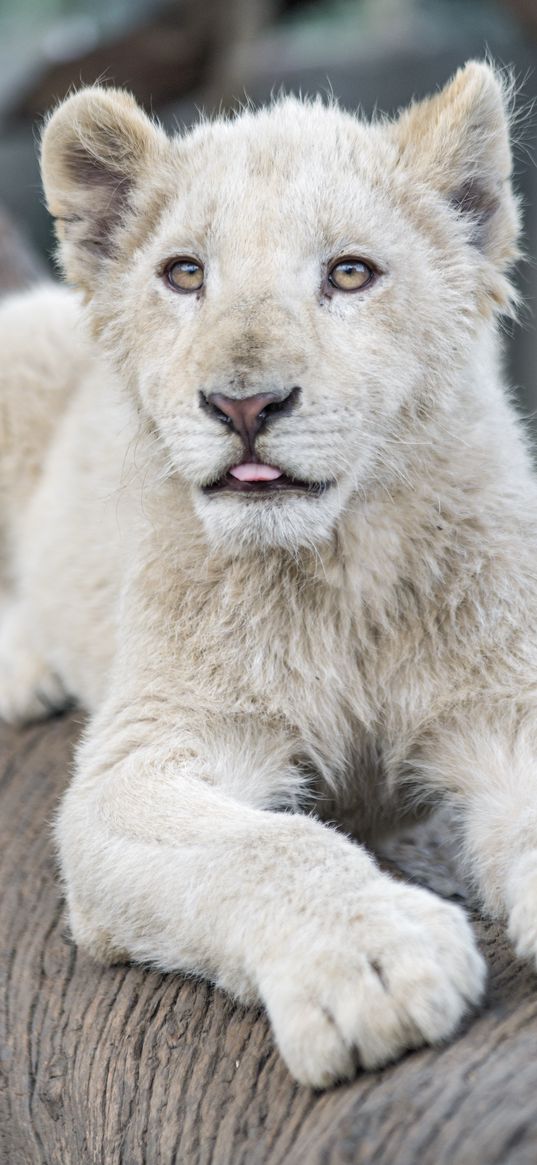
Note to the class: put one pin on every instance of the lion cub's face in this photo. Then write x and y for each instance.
(293, 294)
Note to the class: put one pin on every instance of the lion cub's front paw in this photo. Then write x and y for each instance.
(398, 971)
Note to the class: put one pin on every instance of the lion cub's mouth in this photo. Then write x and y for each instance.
(254, 477)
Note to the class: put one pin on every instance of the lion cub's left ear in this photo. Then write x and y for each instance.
(98, 152)
(458, 141)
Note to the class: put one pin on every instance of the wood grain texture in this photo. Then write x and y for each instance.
(124, 1066)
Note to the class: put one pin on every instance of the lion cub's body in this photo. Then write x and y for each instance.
(338, 649)
(248, 651)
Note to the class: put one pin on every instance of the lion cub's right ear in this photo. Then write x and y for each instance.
(97, 149)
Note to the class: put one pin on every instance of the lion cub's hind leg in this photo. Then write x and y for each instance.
(29, 687)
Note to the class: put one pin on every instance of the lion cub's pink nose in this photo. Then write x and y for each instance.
(248, 413)
(245, 413)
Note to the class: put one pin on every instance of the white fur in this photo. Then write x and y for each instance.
(244, 655)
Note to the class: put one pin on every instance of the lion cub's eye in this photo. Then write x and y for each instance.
(350, 274)
(184, 275)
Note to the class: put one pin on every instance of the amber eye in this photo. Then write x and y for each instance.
(350, 274)
(184, 275)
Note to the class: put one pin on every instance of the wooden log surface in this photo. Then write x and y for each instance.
(126, 1066)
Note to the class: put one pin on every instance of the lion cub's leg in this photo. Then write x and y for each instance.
(168, 855)
(29, 688)
(489, 762)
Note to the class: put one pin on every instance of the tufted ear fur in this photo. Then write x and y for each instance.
(458, 141)
(97, 149)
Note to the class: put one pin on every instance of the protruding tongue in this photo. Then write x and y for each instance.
(252, 472)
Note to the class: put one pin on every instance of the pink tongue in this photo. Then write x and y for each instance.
(251, 472)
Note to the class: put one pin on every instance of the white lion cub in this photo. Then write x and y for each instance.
(268, 514)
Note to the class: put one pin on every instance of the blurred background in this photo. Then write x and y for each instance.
(178, 56)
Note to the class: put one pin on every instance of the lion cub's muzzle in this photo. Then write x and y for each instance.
(247, 416)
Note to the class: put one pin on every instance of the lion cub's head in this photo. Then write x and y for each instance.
(294, 297)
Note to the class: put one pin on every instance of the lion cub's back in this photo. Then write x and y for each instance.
(43, 358)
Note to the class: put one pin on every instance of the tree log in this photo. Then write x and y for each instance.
(126, 1066)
